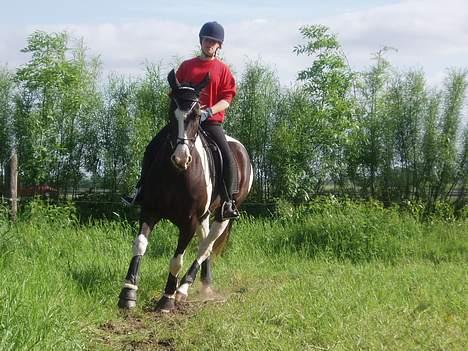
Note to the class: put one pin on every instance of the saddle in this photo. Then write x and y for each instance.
(216, 166)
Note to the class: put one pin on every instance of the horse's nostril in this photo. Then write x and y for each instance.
(189, 160)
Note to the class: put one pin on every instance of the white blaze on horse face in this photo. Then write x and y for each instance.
(180, 116)
(206, 171)
(181, 155)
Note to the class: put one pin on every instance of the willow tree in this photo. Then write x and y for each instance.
(251, 119)
(151, 113)
(456, 85)
(323, 109)
(57, 92)
(462, 172)
(406, 106)
(6, 117)
(115, 127)
(365, 153)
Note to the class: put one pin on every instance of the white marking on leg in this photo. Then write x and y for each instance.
(139, 245)
(206, 171)
(205, 247)
(175, 264)
(204, 228)
(183, 289)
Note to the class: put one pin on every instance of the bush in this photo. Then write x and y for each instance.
(44, 212)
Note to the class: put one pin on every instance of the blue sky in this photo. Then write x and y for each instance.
(88, 11)
(428, 34)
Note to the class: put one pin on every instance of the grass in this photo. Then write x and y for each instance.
(333, 276)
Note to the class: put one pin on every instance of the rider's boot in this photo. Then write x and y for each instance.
(134, 198)
(229, 210)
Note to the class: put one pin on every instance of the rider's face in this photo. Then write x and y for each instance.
(209, 46)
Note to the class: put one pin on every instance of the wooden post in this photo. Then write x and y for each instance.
(14, 184)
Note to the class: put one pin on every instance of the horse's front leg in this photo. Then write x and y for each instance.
(167, 302)
(128, 295)
(204, 251)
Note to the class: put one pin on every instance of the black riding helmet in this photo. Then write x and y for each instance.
(212, 30)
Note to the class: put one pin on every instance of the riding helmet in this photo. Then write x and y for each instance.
(212, 30)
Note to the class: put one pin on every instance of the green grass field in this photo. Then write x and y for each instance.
(335, 276)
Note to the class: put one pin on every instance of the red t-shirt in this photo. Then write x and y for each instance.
(222, 85)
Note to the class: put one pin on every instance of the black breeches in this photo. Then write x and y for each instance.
(216, 132)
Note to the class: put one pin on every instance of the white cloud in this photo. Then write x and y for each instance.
(431, 34)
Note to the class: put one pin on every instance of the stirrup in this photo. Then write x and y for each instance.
(229, 210)
(133, 199)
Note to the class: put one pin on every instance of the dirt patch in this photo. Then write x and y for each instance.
(151, 344)
(146, 329)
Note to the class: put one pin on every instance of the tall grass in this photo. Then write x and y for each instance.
(334, 274)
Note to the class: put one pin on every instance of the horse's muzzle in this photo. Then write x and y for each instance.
(181, 163)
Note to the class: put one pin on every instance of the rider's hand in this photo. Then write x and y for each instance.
(205, 114)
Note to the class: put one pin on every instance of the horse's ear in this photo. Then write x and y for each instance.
(172, 79)
(203, 83)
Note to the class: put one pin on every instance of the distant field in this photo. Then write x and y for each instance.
(334, 277)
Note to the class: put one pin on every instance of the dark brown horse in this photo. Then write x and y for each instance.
(179, 187)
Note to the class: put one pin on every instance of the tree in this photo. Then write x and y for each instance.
(322, 109)
(450, 124)
(6, 120)
(251, 120)
(151, 114)
(462, 172)
(406, 100)
(58, 96)
(365, 154)
(116, 126)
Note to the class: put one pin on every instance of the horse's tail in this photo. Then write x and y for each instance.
(222, 240)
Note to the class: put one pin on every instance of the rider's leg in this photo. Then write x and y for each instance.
(216, 132)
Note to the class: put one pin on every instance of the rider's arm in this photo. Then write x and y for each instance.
(220, 106)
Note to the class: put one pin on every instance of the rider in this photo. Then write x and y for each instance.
(215, 98)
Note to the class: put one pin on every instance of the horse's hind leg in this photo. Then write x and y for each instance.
(204, 251)
(128, 296)
(206, 276)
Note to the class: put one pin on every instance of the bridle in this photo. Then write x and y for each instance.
(190, 142)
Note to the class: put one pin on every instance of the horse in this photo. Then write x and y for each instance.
(180, 187)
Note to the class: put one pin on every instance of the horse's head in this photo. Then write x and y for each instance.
(185, 110)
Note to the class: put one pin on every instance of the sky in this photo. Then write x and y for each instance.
(431, 35)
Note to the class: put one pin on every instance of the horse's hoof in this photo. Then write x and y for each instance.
(127, 298)
(165, 304)
(180, 297)
(206, 290)
(126, 304)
